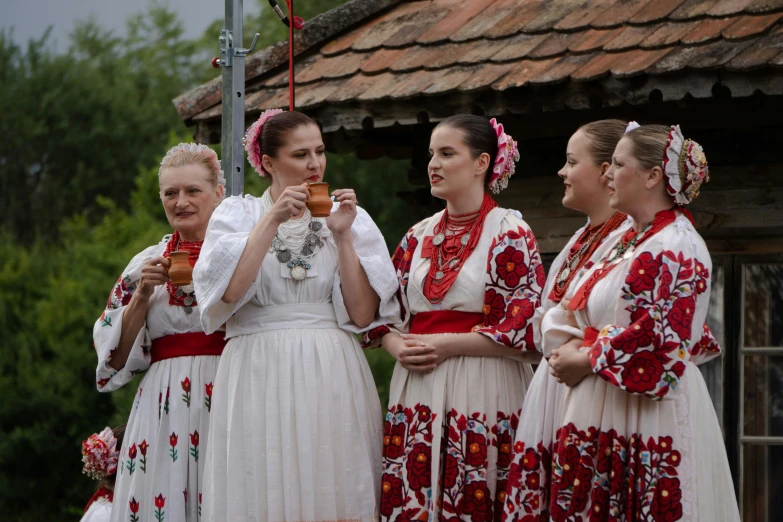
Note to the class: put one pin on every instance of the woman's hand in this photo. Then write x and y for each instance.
(340, 221)
(568, 364)
(154, 272)
(290, 204)
(438, 343)
(412, 354)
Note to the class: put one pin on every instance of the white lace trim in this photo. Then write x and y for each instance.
(687, 466)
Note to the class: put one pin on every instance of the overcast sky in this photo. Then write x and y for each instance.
(30, 18)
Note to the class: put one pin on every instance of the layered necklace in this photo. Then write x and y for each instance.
(581, 251)
(184, 295)
(296, 241)
(623, 250)
(455, 238)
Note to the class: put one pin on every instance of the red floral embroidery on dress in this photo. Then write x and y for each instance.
(707, 348)
(121, 294)
(603, 476)
(528, 484)
(402, 259)
(649, 355)
(407, 488)
(513, 288)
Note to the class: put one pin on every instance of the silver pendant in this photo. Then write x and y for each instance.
(284, 256)
(437, 240)
(438, 275)
(298, 272)
(188, 310)
(189, 301)
(465, 239)
(315, 226)
(312, 239)
(188, 288)
(277, 244)
(179, 292)
(564, 275)
(628, 254)
(574, 263)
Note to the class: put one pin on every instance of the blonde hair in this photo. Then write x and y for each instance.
(649, 144)
(186, 154)
(603, 136)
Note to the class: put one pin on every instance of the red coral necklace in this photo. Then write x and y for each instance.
(182, 295)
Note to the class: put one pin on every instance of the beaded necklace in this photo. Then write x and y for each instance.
(581, 252)
(182, 295)
(449, 253)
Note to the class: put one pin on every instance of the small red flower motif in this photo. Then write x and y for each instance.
(104, 381)
(134, 506)
(681, 316)
(642, 373)
(194, 438)
(132, 452)
(477, 502)
(394, 441)
(494, 307)
(641, 276)
(143, 447)
(518, 313)
(418, 466)
(186, 385)
(173, 439)
(391, 494)
(208, 389)
(476, 453)
(511, 266)
(450, 472)
(160, 501)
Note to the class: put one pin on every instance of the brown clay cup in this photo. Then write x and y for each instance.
(180, 272)
(319, 204)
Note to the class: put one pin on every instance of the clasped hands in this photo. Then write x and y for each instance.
(568, 364)
(418, 353)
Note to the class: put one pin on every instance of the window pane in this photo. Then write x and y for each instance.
(763, 401)
(713, 370)
(763, 305)
(762, 484)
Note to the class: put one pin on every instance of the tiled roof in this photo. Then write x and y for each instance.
(435, 47)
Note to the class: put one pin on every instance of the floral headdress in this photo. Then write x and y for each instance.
(631, 126)
(100, 454)
(250, 140)
(685, 166)
(505, 161)
(199, 149)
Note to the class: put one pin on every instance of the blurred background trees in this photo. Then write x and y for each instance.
(81, 136)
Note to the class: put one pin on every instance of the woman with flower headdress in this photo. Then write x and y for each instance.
(152, 325)
(296, 432)
(638, 438)
(471, 278)
(100, 455)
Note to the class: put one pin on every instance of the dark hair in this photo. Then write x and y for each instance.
(603, 135)
(649, 144)
(276, 128)
(478, 135)
(108, 482)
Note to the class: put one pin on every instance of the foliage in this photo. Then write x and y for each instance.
(82, 134)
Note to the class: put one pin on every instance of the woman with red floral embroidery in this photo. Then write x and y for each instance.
(471, 279)
(100, 455)
(151, 325)
(638, 436)
(588, 156)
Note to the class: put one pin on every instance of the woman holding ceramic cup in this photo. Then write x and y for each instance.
(152, 325)
(638, 438)
(297, 430)
(588, 157)
(471, 278)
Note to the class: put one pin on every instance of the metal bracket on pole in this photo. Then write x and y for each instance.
(232, 60)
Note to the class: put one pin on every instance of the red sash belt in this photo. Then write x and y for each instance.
(445, 321)
(187, 345)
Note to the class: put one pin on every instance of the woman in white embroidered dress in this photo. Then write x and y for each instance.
(639, 438)
(152, 326)
(471, 278)
(588, 156)
(296, 432)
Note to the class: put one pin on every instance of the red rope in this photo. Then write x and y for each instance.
(291, 19)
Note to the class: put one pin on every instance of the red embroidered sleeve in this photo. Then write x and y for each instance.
(514, 281)
(666, 294)
(401, 260)
(707, 348)
(121, 293)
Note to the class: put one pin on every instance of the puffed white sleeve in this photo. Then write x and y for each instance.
(107, 329)
(227, 234)
(374, 258)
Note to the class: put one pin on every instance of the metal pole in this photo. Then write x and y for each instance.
(232, 59)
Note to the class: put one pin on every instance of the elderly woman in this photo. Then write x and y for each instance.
(151, 325)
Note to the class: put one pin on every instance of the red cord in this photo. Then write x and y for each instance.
(290, 54)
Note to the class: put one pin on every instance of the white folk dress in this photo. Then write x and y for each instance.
(161, 464)
(639, 439)
(448, 433)
(541, 410)
(98, 511)
(297, 426)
